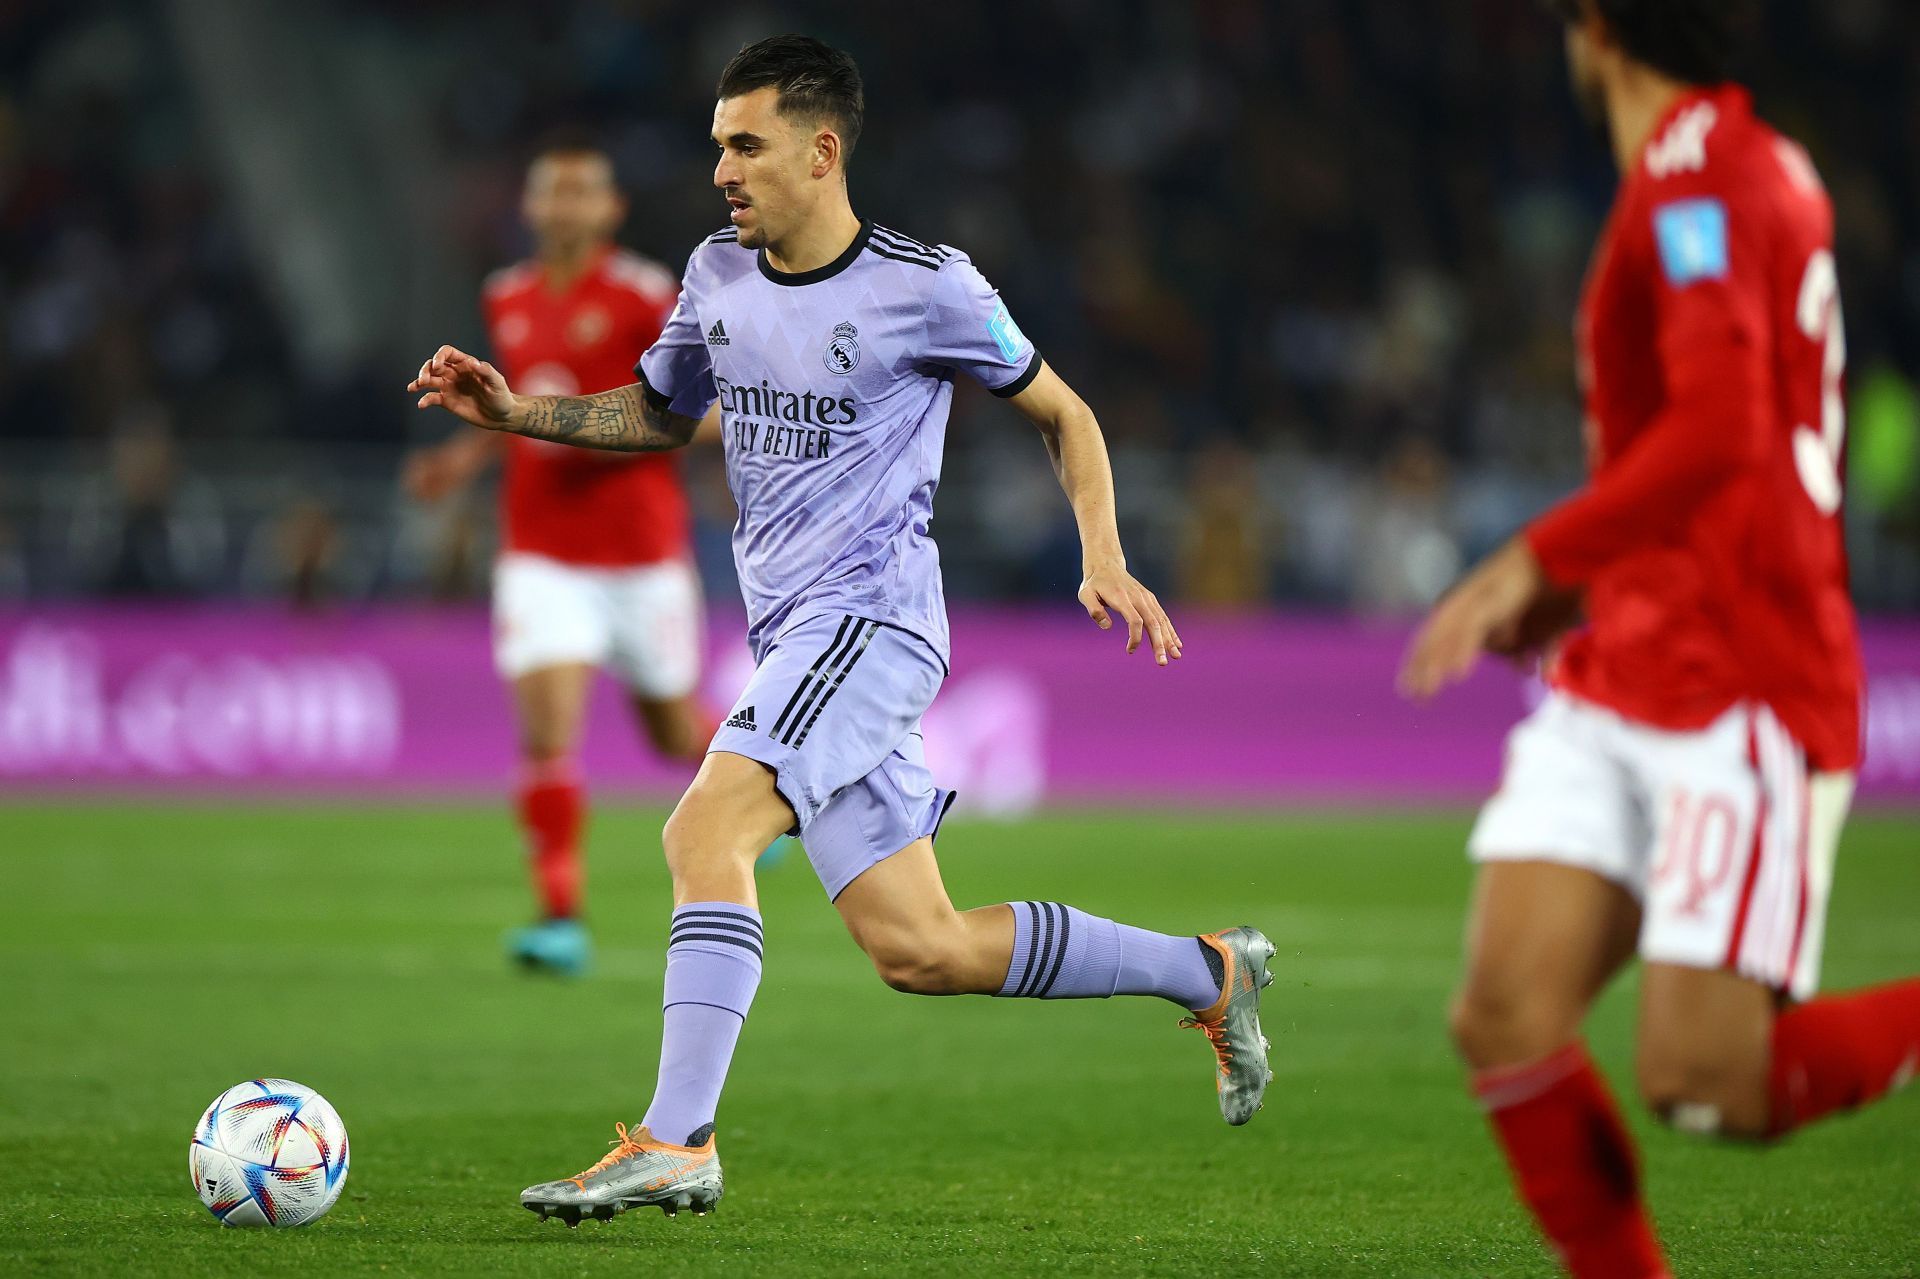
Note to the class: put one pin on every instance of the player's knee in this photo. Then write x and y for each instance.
(916, 966)
(1700, 1091)
(910, 974)
(725, 820)
(1499, 1024)
(1472, 1023)
(693, 844)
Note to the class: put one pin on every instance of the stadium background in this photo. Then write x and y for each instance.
(1313, 263)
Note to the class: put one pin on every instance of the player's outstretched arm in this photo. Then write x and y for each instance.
(1485, 611)
(622, 419)
(1079, 454)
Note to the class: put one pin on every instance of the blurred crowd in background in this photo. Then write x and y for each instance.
(1313, 263)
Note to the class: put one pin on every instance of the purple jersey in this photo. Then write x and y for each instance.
(834, 386)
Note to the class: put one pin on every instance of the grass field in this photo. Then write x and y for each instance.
(150, 956)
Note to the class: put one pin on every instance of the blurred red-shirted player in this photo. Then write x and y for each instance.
(1680, 792)
(595, 568)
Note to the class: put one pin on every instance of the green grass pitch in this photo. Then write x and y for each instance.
(151, 956)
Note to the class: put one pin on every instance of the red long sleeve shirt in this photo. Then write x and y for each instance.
(1708, 538)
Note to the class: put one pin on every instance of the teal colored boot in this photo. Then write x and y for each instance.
(553, 946)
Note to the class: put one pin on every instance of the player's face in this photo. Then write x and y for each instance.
(769, 166)
(571, 201)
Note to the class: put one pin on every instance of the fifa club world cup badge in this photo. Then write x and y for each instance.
(843, 349)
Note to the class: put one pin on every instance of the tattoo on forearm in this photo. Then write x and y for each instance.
(570, 417)
(620, 419)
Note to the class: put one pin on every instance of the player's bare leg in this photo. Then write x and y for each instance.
(899, 913)
(1542, 942)
(714, 950)
(549, 710)
(1720, 1057)
(1703, 1049)
(729, 813)
(677, 728)
(1723, 1055)
(680, 728)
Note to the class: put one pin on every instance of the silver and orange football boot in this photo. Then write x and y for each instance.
(640, 1171)
(1232, 1024)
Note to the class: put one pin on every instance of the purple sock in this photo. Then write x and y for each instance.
(713, 968)
(1063, 953)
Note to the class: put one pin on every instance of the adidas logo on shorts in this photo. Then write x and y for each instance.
(743, 719)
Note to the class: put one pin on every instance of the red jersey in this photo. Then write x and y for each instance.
(1708, 538)
(584, 506)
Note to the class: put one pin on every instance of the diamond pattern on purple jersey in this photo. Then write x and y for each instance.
(834, 388)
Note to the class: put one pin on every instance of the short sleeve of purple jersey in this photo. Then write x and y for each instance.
(675, 370)
(969, 330)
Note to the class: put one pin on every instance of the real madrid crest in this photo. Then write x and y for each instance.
(843, 349)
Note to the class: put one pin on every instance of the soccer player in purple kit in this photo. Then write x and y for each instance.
(831, 346)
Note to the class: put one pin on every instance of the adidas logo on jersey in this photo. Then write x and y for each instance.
(742, 718)
(717, 335)
(1683, 147)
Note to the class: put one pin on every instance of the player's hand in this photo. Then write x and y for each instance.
(1110, 590)
(1537, 632)
(1483, 612)
(469, 388)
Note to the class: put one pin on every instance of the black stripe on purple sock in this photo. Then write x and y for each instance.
(1044, 949)
(742, 916)
(731, 939)
(1033, 947)
(701, 1003)
(728, 918)
(1048, 960)
(1060, 955)
(694, 925)
(1037, 947)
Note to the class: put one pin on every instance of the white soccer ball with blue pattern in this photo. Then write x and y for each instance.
(269, 1152)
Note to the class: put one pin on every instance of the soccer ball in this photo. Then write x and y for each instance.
(268, 1152)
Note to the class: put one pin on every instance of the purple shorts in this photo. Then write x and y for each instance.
(834, 711)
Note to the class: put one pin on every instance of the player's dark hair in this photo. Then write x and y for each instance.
(1695, 41)
(568, 139)
(816, 82)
